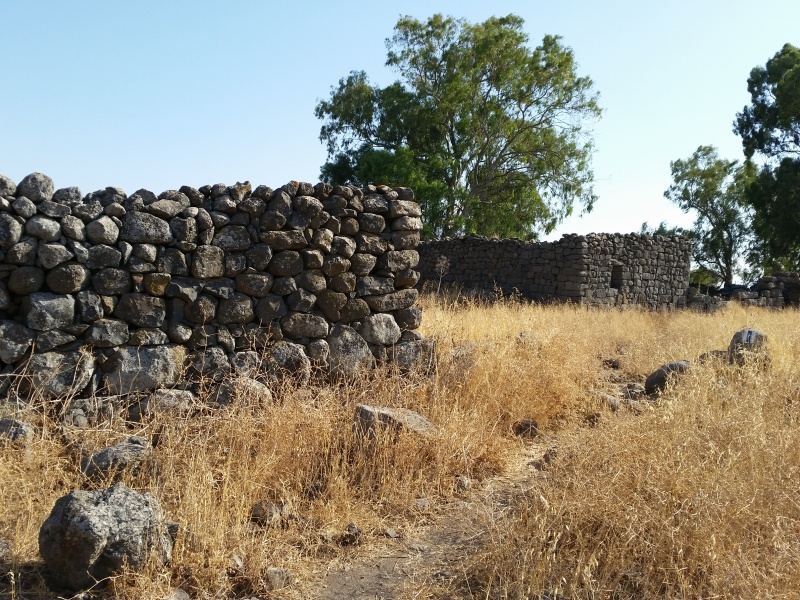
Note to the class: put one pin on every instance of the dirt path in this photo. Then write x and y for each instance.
(431, 564)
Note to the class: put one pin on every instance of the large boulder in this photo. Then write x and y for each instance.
(45, 311)
(210, 362)
(144, 228)
(349, 353)
(7, 187)
(287, 360)
(145, 368)
(60, 374)
(37, 187)
(15, 340)
(10, 231)
(380, 328)
(300, 325)
(748, 345)
(658, 379)
(397, 301)
(414, 356)
(91, 535)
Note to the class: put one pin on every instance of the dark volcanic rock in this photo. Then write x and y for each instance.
(91, 535)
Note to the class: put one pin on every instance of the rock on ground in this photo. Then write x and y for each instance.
(657, 381)
(128, 454)
(370, 419)
(748, 345)
(90, 535)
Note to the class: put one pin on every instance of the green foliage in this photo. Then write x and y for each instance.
(775, 198)
(663, 229)
(770, 127)
(714, 189)
(489, 132)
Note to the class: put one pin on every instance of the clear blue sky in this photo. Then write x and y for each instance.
(158, 94)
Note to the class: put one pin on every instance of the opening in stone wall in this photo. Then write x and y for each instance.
(616, 276)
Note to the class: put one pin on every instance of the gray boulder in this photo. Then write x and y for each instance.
(165, 401)
(349, 353)
(23, 207)
(209, 262)
(108, 333)
(26, 280)
(23, 252)
(396, 301)
(114, 459)
(233, 238)
(144, 228)
(73, 228)
(284, 240)
(139, 369)
(748, 345)
(370, 420)
(409, 318)
(111, 281)
(380, 329)
(7, 187)
(211, 362)
(49, 340)
(68, 278)
(288, 361)
(43, 228)
(286, 263)
(69, 196)
(15, 340)
(374, 286)
(45, 311)
(91, 535)
(141, 310)
(243, 390)
(301, 325)
(10, 231)
(15, 430)
(90, 306)
(36, 187)
(414, 356)
(60, 374)
(102, 231)
(657, 381)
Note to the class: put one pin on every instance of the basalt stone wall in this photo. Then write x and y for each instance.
(138, 284)
(605, 269)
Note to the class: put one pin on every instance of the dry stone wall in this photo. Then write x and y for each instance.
(604, 269)
(122, 292)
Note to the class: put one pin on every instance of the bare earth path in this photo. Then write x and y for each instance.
(432, 563)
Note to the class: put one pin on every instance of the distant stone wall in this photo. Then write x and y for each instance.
(605, 269)
(143, 285)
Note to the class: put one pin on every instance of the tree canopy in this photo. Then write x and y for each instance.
(770, 128)
(715, 189)
(491, 133)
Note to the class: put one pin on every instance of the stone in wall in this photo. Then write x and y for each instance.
(144, 284)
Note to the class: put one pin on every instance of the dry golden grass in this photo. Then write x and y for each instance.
(695, 498)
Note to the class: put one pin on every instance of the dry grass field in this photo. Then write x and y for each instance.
(696, 495)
